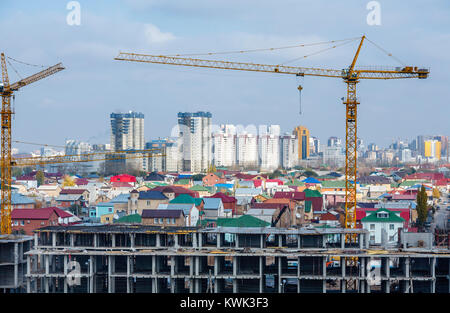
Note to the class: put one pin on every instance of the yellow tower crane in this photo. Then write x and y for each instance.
(351, 76)
(7, 91)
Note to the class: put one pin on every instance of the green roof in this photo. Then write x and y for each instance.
(198, 201)
(183, 198)
(183, 181)
(393, 218)
(297, 183)
(199, 188)
(131, 219)
(333, 184)
(309, 193)
(308, 205)
(409, 183)
(242, 221)
(205, 222)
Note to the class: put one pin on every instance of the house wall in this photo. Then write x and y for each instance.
(378, 229)
(30, 225)
(151, 221)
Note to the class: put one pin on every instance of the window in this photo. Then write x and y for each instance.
(161, 220)
(391, 238)
(42, 223)
(173, 220)
(372, 238)
(372, 226)
(110, 209)
(148, 202)
(168, 220)
(155, 221)
(22, 223)
(391, 226)
(16, 223)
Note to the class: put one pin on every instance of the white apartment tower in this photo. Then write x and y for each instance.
(269, 147)
(247, 150)
(195, 141)
(127, 131)
(224, 146)
(289, 151)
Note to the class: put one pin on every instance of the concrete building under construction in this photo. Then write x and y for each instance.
(136, 258)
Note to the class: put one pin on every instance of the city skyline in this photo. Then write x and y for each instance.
(88, 50)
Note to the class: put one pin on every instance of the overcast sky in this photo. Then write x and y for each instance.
(76, 102)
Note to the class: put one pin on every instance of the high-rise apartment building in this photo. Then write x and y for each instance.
(247, 150)
(302, 134)
(195, 141)
(289, 151)
(432, 149)
(127, 131)
(167, 159)
(269, 147)
(224, 146)
(334, 142)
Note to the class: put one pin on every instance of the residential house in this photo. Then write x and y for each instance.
(123, 178)
(19, 201)
(212, 179)
(25, 221)
(163, 218)
(150, 199)
(187, 199)
(101, 209)
(191, 213)
(383, 226)
(201, 190)
(172, 192)
(120, 202)
(213, 209)
(229, 203)
(50, 190)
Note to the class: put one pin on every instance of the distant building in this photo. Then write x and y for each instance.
(289, 151)
(302, 134)
(194, 141)
(247, 150)
(334, 142)
(269, 147)
(224, 146)
(127, 131)
(432, 149)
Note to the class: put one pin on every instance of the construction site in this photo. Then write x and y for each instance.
(152, 259)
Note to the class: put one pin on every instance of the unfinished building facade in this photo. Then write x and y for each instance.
(132, 259)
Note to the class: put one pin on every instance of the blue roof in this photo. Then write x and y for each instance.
(17, 198)
(178, 206)
(152, 195)
(212, 203)
(229, 186)
(122, 198)
(107, 204)
(311, 180)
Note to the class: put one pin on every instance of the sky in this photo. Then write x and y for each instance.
(76, 103)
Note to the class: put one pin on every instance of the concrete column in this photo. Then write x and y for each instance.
(433, 274)
(91, 274)
(95, 240)
(235, 266)
(388, 267)
(111, 282)
(132, 236)
(343, 266)
(261, 274)
(191, 266)
(194, 240)
(324, 286)
(362, 286)
(113, 240)
(54, 239)
(407, 269)
(65, 273)
(36, 240)
(299, 241)
(343, 286)
(197, 265)
(158, 241)
(16, 264)
(47, 261)
(388, 286)
(219, 237)
(175, 239)
(172, 266)
(28, 273)
(128, 273)
(279, 273)
(72, 240)
(342, 241)
(280, 240)
(216, 266)
(261, 241)
(237, 240)
(324, 266)
(200, 240)
(361, 241)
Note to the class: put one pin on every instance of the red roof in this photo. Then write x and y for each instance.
(123, 178)
(32, 214)
(72, 191)
(177, 190)
(329, 217)
(61, 213)
(121, 184)
(280, 182)
(224, 197)
(426, 176)
(81, 181)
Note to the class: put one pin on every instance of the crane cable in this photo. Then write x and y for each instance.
(386, 52)
(264, 49)
(35, 65)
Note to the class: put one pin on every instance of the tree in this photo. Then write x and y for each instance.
(436, 194)
(197, 177)
(75, 209)
(68, 181)
(310, 173)
(40, 177)
(422, 210)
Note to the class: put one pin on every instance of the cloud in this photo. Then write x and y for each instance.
(155, 35)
